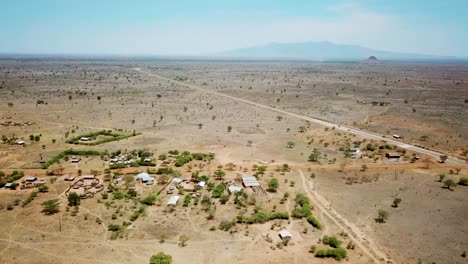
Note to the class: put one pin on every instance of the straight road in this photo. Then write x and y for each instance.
(358, 132)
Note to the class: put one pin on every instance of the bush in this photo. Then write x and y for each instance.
(225, 225)
(161, 258)
(113, 227)
(331, 241)
(337, 253)
(29, 199)
(262, 217)
(150, 199)
(187, 200)
(314, 222)
(304, 209)
(463, 181)
(218, 190)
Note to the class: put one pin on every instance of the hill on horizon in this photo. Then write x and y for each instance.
(322, 51)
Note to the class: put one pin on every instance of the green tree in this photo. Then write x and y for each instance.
(315, 155)
(291, 144)
(73, 199)
(229, 128)
(273, 185)
(219, 174)
(463, 181)
(161, 258)
(449, 183)
(382, 216)
(50, 207)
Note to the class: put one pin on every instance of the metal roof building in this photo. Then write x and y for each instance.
(250, 181)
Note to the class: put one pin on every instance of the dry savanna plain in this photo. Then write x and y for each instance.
(113, 161)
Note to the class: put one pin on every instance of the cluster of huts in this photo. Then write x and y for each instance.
(86, 187)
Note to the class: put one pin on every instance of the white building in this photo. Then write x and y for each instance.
(285, 234)
(145, 178)
(173, 200)
(234, 189)
(176, 181)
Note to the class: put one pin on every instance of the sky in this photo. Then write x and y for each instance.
(203, 27)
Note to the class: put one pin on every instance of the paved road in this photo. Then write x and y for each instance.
(364, 134)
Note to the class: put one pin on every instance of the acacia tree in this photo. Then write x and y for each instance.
(315, 155)
(50, 207)
(449, 183)
(219, 174)
(383, 216)
(73, 199)
(291, 144)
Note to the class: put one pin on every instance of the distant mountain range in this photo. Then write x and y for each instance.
(322, 51)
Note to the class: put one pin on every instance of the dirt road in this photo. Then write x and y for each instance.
(365, 134)
(354, 233)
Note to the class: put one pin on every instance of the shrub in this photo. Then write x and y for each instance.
(29, 199)
(161, 258)
(225, 225)
(113, 227)
(331, 241)
(463, 181)
(150, 199)
(314, 222)
(337, 253)
(218, 190)
(187, 200)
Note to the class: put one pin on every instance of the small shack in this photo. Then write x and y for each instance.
(75, 160)
(176, 181)
(233, 189)
(69, 178)
(285, 235)
(396, 136)
(84, 139)
(21, 142)
(392, 155)
(173, 200)
(88, 177)
(31, 179)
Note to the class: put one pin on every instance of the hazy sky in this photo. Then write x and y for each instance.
(180, 27)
